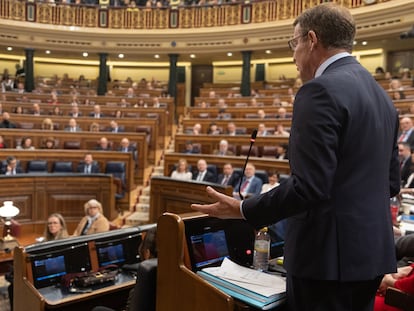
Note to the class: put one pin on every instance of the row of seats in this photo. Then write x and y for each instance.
(115, 168)
(243, 150)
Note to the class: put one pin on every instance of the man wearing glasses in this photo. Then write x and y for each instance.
(344, 168)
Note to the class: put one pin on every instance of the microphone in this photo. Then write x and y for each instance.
(252, 140)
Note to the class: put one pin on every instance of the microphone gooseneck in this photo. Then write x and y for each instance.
(252, 140)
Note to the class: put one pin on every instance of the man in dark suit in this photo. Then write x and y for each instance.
(229, 177)
(344, 168)
(103, 145)
(114, 128)
(88, 166)
(75, 113)
(202, 173)
(11, 167)
(126, 146)
(96, 113)
(407, 131)
(6, 123)
(404, 153)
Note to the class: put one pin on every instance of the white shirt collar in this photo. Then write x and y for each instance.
(329, 61)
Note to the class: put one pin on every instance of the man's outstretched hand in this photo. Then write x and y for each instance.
(225, 207)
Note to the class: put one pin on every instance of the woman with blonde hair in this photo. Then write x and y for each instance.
(94, 127)
(55, 228)
(181, 172)
(94, 221)
(47, 124)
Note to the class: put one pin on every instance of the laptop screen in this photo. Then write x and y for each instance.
(209, 249)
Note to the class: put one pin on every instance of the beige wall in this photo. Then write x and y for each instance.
(136, 73)
(9, 64)
(74, 70)
(230, 73)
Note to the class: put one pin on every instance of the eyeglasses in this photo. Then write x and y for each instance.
(293, 43)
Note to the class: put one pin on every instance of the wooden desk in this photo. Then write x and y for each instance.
(51, 297)
(177, 284)
(176, 196)
(6, 256)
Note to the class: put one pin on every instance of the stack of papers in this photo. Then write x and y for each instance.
(256, 288)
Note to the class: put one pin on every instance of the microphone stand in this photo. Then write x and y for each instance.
(252, 140)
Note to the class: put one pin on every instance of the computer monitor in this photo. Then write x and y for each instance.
(118, 249)
(111, 255)
(48, 268)
(208, 249)
(210, 240)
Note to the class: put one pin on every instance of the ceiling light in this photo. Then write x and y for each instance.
(9, 48)
(364, 42)
(355, 42)
(192, 56)
(229, 54)
(268, 52)
(157, 56)
(121, 55)
(47, 51)
(85, 54)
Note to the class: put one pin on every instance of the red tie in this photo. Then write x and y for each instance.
(402, 137)
(244, 186)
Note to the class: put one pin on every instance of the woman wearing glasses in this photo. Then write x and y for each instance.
(55, 228)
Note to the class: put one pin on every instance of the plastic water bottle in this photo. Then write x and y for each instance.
(395, 209)
(261, 250)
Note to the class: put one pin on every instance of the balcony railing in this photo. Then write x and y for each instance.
(181, 17)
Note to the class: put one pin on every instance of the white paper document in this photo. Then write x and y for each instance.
(250, 279)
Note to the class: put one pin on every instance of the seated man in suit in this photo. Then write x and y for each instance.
(11, 168)
(250, 185)
(407, 131)
(126, 146)
(75, 113)
(229, 177)
(6, 123)
(72, 126)
(404, 154)
(103, 145)
(114, 128)
(202, 173)
(96, 113)
(88, 166)
(223, 149)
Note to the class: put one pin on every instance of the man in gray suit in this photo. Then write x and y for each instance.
(344, 168)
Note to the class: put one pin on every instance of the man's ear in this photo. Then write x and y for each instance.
(313, 39)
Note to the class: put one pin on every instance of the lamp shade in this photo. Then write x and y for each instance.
(8, 210)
